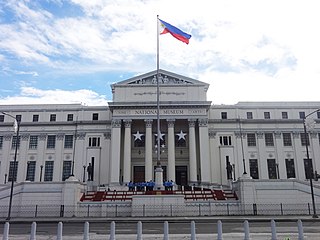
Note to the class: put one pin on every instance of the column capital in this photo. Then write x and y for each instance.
(81, 135)
(259, 135)
(171, 122)
(212, 133)
(148, 122)
(60, 136)
(203, 122)
(116, 123)
(42, 137)
(192, 122)
(107, 134)
(239, 134)
(127, 123)
(277, 135)
(296, 134)
(25, 137)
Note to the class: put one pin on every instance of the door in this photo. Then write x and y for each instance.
(182, 175)
(138, 174)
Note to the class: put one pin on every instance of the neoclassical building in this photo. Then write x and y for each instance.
(201, 143)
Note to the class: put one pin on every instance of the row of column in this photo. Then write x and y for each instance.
(204, 157)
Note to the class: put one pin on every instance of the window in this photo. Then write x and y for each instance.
(33, 142)
(290, 168)
(1, 118)
(68, 141)
(51, 141)
(31, 170)
(94, 142)
(18, 118)
(13, 171)
(249, 115)
(35, 118)
(318, 115)
(272, 169)
(15, 142)
(287, 140)
(66, 171)
(1, 142)
(251, 138)
(48, 171)
(139, 140)
(225, 140)
(308, 168)
(302, 115)
(254, 171)
(70, 117)
(95, 116)
(304, 139)
(266, 115)
(284, 115)
(224, 115)
(268, 137)
(53, 117)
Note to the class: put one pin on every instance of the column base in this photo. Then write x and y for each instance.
(159, 178)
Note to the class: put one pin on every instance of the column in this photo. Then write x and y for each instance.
(171, 151)
(192, 152)
(127, 152)
(314, 153)
(57, 159)
(22, 157)
(262, 158)
(204, 151)
(148, 156)
(115, 152)
(300, 154)
(280, 158)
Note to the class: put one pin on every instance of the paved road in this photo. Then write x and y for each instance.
(205, 229)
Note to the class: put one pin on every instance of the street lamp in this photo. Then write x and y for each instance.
(16, 130)
(310, 169)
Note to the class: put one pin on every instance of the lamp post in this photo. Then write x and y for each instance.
(310, 169)
(16, 129)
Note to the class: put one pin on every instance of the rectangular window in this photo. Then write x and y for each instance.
(225, 140)
(291, 173)
(15, 142)
(249, 115)
(251, 138)
(13, 171)
(94, 142)
(35, 118)
(302, 115)
(1, 118)
(33, 142)
(95, 116)
(70, 117)
(18, 117)
(254, 171)
(287, 140)
(284, 115)
(266, 115)
(308, 168)
(1, 142)
(48, 171)
(268, 137)
(272, 168)
(304, 139)
(31, 170)
(51, 141)
(53, 117)
(66, 171)
(224, 115)
(318, 115)
(68, 141)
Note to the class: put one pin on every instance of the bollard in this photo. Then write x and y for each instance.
(193, 230)
(246, 230)
(86, 231)
(166, 231)
(139, 230)
(59, 233)
(300, 230)
(219, 226)
(112, 231)
(273, 230)
(6, 231)
(33, 233)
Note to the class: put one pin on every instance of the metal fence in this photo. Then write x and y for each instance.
(110, 210)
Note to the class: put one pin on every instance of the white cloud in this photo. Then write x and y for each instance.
(30, 95)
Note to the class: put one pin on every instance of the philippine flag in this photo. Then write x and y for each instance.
(175, 32)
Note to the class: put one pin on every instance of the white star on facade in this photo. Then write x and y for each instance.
(181, 135)
(137, 136)
(161, 135)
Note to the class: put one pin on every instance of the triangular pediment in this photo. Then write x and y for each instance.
(165, 77)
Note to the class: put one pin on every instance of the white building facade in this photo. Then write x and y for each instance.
(201, 143)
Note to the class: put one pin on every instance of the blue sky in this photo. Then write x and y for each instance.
(70, 51)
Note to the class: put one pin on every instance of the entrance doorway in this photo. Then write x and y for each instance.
(138, 174)
(182, 175)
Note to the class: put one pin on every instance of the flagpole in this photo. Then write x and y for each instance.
(158, 171)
